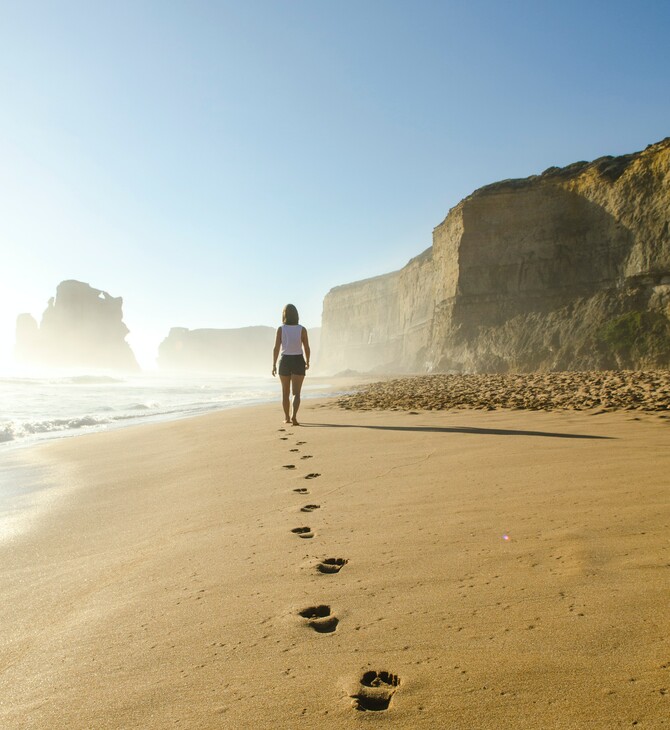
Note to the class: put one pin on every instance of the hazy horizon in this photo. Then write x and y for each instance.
(211, 162)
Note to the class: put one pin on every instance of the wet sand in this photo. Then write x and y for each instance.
(447, 568)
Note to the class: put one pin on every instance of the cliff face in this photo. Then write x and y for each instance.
(379, 323)
(569, 269)
(241, 351)
(81, 327)
(247, 350)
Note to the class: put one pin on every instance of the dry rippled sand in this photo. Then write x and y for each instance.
(647, 390)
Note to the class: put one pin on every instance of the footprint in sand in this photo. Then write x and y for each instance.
(288, 466)
(302, 490)
(375, 691)
(310, 507)
(313, 475)
(331, 565)
(283, 438)
(292, 450)
(300, 443)
(305, 532)
(281, 429)
(306, 456)
(319, 618)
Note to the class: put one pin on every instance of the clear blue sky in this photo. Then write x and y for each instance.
(210, 161)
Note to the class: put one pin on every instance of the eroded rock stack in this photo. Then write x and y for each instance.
(81, 327)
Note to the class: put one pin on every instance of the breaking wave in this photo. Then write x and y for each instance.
(38, 408)
(13, 431)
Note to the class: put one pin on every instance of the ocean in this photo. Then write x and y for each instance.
(34, 409)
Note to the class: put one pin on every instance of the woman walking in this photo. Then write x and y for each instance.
(291, 340)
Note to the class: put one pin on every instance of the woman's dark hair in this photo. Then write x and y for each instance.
(289, 315)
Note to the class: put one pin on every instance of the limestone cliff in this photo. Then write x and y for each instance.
(568, 269)
(380, 323)
(246, 350)
(81, 327)
(241, 351)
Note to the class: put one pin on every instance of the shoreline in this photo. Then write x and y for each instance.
(166, 585)
(26, 487)
(25, 481)
(90, 410)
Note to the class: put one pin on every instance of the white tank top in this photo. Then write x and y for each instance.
(291, 339)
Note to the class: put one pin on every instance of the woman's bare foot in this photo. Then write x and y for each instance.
(286, 420)
(295, 421)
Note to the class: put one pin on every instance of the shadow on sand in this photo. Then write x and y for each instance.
(460, 429)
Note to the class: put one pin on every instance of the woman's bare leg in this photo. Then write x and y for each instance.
(285, 396)
(296, 385)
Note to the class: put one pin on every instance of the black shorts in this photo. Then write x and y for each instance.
(291, 365)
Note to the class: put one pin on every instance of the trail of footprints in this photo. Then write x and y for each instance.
(375, 689)
(320, 619)
(310, 507)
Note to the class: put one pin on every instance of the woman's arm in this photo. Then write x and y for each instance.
(275, 352)
(305, 343)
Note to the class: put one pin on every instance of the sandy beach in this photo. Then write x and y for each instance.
(428, 569)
